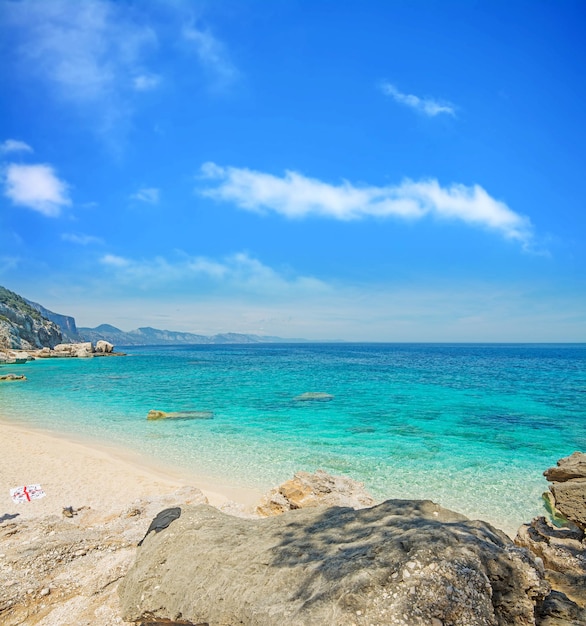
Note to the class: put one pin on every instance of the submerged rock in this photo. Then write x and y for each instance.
(309, 490)
(13, 377)
(314, 396)
(401, 562)
(192, 415)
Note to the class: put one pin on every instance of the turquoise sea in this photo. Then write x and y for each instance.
(469, 426)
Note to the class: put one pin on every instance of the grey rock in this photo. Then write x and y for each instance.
(558, 610)
(401, 562)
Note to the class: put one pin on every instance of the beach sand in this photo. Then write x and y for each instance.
(64, 571)
(80, 473)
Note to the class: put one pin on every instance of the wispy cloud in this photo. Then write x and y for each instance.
(212, 54)
(233, 274)
(146, 82)
(296, 196)
(81, 239)
(150, 195)
(427, 106)
(99, 56)
(8, 263)
(36, 187)
(88, 53)
(14, 145)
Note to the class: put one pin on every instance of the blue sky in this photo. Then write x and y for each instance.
(375, 171)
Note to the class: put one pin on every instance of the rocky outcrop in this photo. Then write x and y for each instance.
(155, 414)
(80, 350)
(563, 552)
(568, 488)
(310, 490)
(104, 347)
(561, 541)
(401, 562)
(22, 327)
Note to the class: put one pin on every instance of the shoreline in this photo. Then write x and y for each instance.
(75, 471)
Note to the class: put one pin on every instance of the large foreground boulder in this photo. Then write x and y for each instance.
(309, 490)
(401, 562)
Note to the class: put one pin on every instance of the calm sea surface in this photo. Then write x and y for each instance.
(469, 426)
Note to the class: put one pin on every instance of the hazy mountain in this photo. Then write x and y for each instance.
(147, 336)
(25, 324)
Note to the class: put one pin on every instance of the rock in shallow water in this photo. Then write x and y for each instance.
(189, 415)
(401, 562)
(308, 490)
(314, 396)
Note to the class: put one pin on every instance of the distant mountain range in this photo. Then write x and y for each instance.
(147, 336)
(26, 325)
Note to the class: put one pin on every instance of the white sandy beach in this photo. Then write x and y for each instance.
(60, 571)
(79, 473)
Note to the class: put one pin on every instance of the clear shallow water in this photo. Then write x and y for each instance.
(469, 426)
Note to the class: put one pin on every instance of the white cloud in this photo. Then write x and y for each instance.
(212, 55)
(146, 82)
(115, 261)
(81, 239)
(427, 106)
(36, 187)
(14, 145)
(296, 196)
(151, 195)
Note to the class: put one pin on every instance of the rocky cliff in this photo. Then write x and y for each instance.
(22, 327)
(65, 322)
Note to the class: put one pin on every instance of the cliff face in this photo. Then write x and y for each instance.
(65, 322)
(22, 327)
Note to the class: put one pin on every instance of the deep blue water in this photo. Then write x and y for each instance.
(470, 426)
